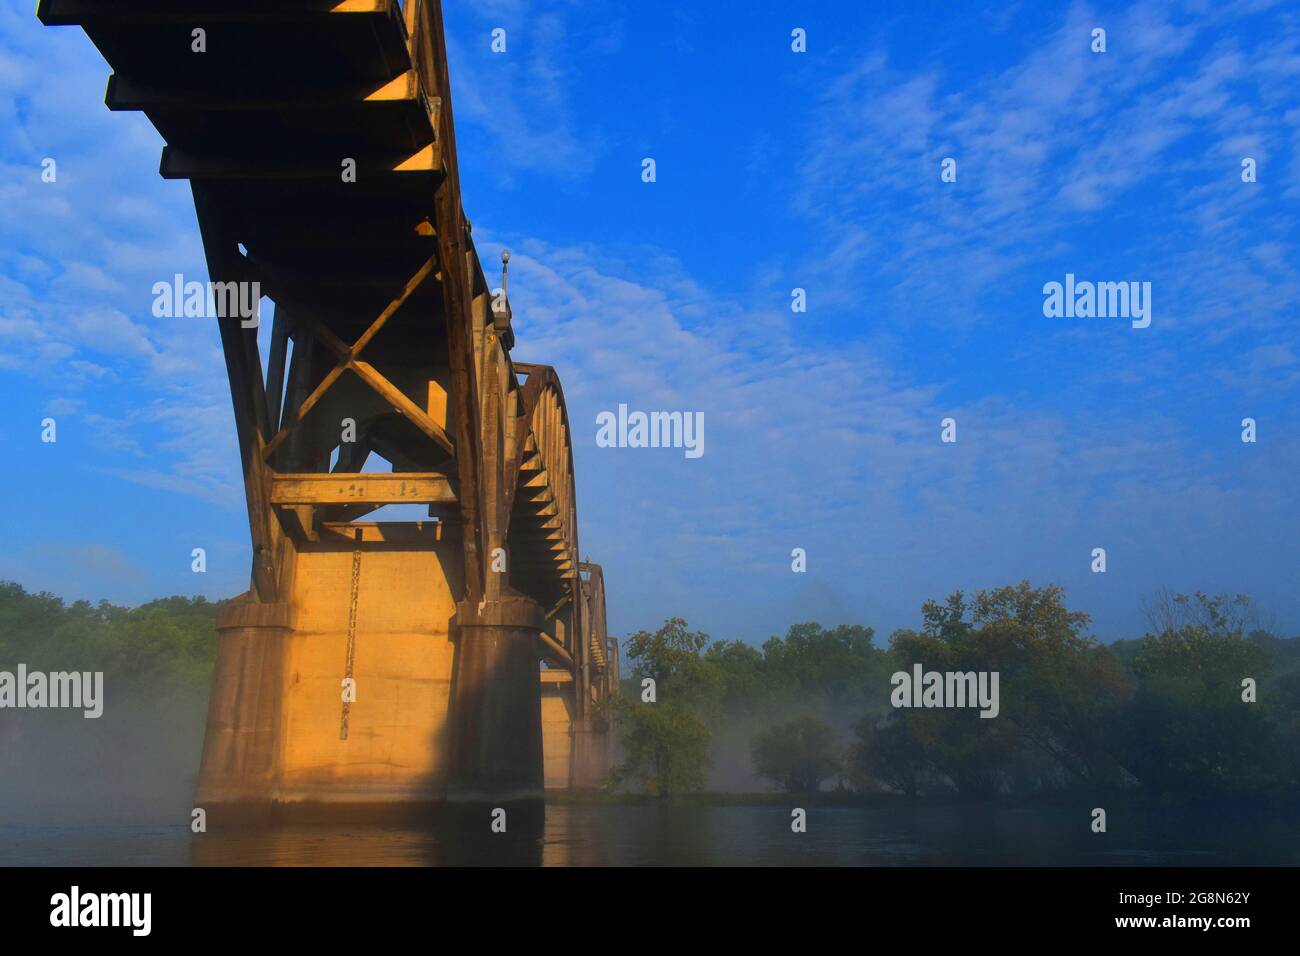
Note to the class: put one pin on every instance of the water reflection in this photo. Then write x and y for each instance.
(691, 835)
(695, 835)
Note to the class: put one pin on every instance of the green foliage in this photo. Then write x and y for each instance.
(1163, 713)
(886, 752)
(797, 755)
(741, 676)
(1198, 656)
(733, 686)
(665, 746)
(666, 743)
(1056, 688)
(672, 657)
(829, 672)
(168, 644)
(836, 668)
(1188, 730)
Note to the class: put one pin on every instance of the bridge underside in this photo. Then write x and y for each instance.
(459, 654)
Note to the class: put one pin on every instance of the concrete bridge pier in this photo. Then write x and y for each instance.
(592, 753)
(495, 720)
(240, 767)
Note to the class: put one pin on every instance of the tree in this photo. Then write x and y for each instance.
(1057, 691)
(666, 742)
(672, 657)
(741, 675)
(833, 668)
(1189, 732)
(885, 751)
(666, 746)
(1167, 612)
(797, 755)
(1200, 638)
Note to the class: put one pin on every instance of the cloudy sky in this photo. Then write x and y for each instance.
(776, 170)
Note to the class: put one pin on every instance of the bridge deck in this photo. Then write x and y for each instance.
(262, 122)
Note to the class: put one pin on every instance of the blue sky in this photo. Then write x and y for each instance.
(775, 170)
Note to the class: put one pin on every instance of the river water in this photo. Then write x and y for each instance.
(696, 835)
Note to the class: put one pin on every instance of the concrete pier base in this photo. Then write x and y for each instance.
(239, 766)
(557, 728)
(451, 701)
(495, 718)
(593, 754)
(275, 732)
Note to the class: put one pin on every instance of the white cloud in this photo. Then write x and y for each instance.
(826, 447)
(521, 98)
(1046, 144)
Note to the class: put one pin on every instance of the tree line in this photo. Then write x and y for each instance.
(1202, 707)
(1164, 715)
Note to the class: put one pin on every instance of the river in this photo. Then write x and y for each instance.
(696, 834)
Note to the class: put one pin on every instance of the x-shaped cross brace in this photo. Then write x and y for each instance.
(347, 355)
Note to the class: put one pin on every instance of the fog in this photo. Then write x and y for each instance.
(137, 764)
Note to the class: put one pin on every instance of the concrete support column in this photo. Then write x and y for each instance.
(496, 725)
(592, 753)
(239, 764)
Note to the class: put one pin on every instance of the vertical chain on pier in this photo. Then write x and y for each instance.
(352, 634)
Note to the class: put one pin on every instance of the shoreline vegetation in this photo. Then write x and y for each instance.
(1203, 711)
